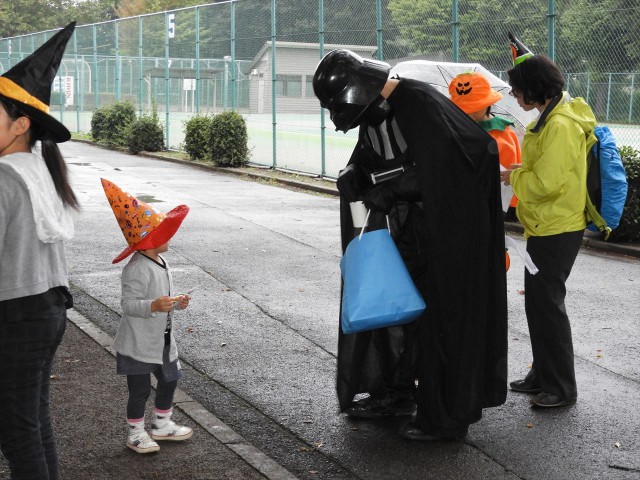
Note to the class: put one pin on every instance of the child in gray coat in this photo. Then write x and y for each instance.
(144, 341)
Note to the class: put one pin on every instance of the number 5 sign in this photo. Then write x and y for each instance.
(171, 25)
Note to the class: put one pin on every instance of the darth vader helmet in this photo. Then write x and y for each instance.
(348, 85)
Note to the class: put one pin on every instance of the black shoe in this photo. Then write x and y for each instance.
(372, 407)
(524, 386)
(412, 431)
(548, 400)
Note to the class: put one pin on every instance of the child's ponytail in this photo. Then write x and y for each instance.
(58, 170)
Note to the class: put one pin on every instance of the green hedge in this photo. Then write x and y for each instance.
(117, 125)
(221, 139)
(196, 137)
(228, 140)
(145, 134)
(110, 124)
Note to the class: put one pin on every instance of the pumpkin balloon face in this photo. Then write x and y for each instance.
(463, 88)
(507, 259)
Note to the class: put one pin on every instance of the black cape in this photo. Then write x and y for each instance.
(461, 355)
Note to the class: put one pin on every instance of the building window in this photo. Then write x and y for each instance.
(289, 86)
(309, 87)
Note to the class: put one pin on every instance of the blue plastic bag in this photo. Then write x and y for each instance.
(378, 291)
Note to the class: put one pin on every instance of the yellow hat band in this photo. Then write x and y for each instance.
(12, 90)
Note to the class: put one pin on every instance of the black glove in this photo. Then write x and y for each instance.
(380, 199)
(347, 183)
(406, 186)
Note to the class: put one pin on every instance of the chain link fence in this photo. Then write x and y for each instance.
(258, 58)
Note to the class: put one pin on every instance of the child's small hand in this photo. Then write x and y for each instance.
(505, 175)
(163, 304)
(183, 301)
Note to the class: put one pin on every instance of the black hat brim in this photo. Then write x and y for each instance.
(56, 131)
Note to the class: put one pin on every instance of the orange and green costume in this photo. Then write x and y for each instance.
(508, 145)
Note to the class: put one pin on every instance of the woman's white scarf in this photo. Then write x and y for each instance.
(53, 218)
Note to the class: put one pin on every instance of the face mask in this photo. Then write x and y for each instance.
(376, 112)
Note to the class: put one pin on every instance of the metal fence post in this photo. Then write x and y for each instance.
(118, 74)
(76, 83)
(225, 90)
(633, 78)
(95, 68)
(233, 55)
(456, 31)
(551, 29)
(608, 96)
(197, 91)
(323, 127)
(61, 92)
(380, 54)
(274, 161)
(140, 79)
(166, 78)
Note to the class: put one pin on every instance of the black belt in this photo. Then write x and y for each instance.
(385, 175)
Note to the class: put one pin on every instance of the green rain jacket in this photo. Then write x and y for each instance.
(551, 185)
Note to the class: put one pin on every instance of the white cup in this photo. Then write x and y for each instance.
(358, 214)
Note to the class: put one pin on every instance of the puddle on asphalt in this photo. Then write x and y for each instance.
(148, 199)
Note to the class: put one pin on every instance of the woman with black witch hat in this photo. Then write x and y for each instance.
(35, 220)
(551, 185)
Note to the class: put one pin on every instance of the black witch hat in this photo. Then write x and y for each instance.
(518, 50)
(28, 83)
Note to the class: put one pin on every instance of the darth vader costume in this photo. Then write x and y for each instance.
(445, 215)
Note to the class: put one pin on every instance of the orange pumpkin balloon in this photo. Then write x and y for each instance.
(507, 259)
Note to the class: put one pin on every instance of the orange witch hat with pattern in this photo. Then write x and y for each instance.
(143, 226)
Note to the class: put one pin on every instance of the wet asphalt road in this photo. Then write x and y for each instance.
(259, 339)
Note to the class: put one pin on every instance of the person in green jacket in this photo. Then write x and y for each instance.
(551, 186)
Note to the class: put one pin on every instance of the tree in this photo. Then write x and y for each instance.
(599, 33)
(20, 17)
(426, 28)
(132, 8)
(93, 11)
(599, 36)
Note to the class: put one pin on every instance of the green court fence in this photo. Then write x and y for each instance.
(258, 58)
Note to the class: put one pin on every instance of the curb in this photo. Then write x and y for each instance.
(240, 173)
(212, 424)
(588, 241)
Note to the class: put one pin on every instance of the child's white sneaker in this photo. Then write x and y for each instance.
(163, 428)
(140, 442)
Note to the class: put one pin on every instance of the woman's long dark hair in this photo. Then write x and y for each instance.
(50, 152)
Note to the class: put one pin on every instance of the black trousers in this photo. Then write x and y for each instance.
(140, 390)
(549, 328)
(27, 348)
